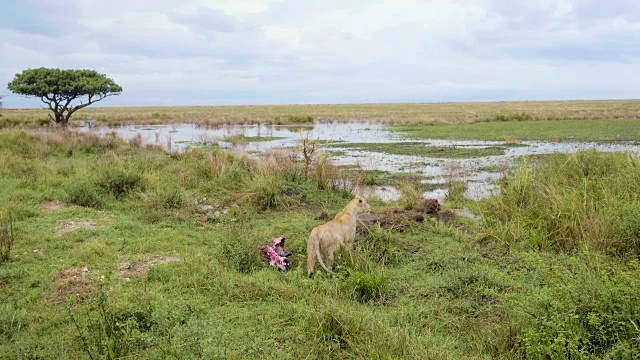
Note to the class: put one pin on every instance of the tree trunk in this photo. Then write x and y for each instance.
(65, 121)
(60, 119)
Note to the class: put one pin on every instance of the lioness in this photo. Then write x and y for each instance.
(337, 233)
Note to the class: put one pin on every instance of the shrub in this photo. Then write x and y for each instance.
(159, 115)
(93, 144)
(326, 173)
(84, 192)
(43, 122)
(267, 194)
(119, 182)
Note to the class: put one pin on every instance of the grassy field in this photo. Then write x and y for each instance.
(570, 130)
(121, 251)
(420, 149)
(414, 113)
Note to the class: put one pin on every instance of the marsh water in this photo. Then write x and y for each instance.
(479, 172)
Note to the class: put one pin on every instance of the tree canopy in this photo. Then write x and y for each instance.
(64, 91)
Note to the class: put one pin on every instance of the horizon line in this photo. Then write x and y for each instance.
(348, 103)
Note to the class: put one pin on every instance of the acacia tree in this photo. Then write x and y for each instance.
(64, 91)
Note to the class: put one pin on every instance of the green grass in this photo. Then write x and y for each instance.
(568, 130)
(431, 291)
(421, 149)
(263, 138)
(568, 202)
(241, 138)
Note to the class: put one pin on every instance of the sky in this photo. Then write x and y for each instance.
(219, 52)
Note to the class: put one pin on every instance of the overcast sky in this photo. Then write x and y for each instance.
(171, 52)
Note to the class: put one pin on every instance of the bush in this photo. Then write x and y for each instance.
(456, 177)
(85, 193)
(119, 182)
(328, 175)
(93, 144)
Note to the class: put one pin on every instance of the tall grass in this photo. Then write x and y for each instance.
(567, 202)
(7, 236)
(410, 194)
(456, 181)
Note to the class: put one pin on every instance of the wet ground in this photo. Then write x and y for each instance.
(479, 171)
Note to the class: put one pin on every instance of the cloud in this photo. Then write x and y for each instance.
(563, 30)
(48, 19)
(169, 52)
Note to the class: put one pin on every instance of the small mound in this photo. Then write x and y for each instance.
(72, 281)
